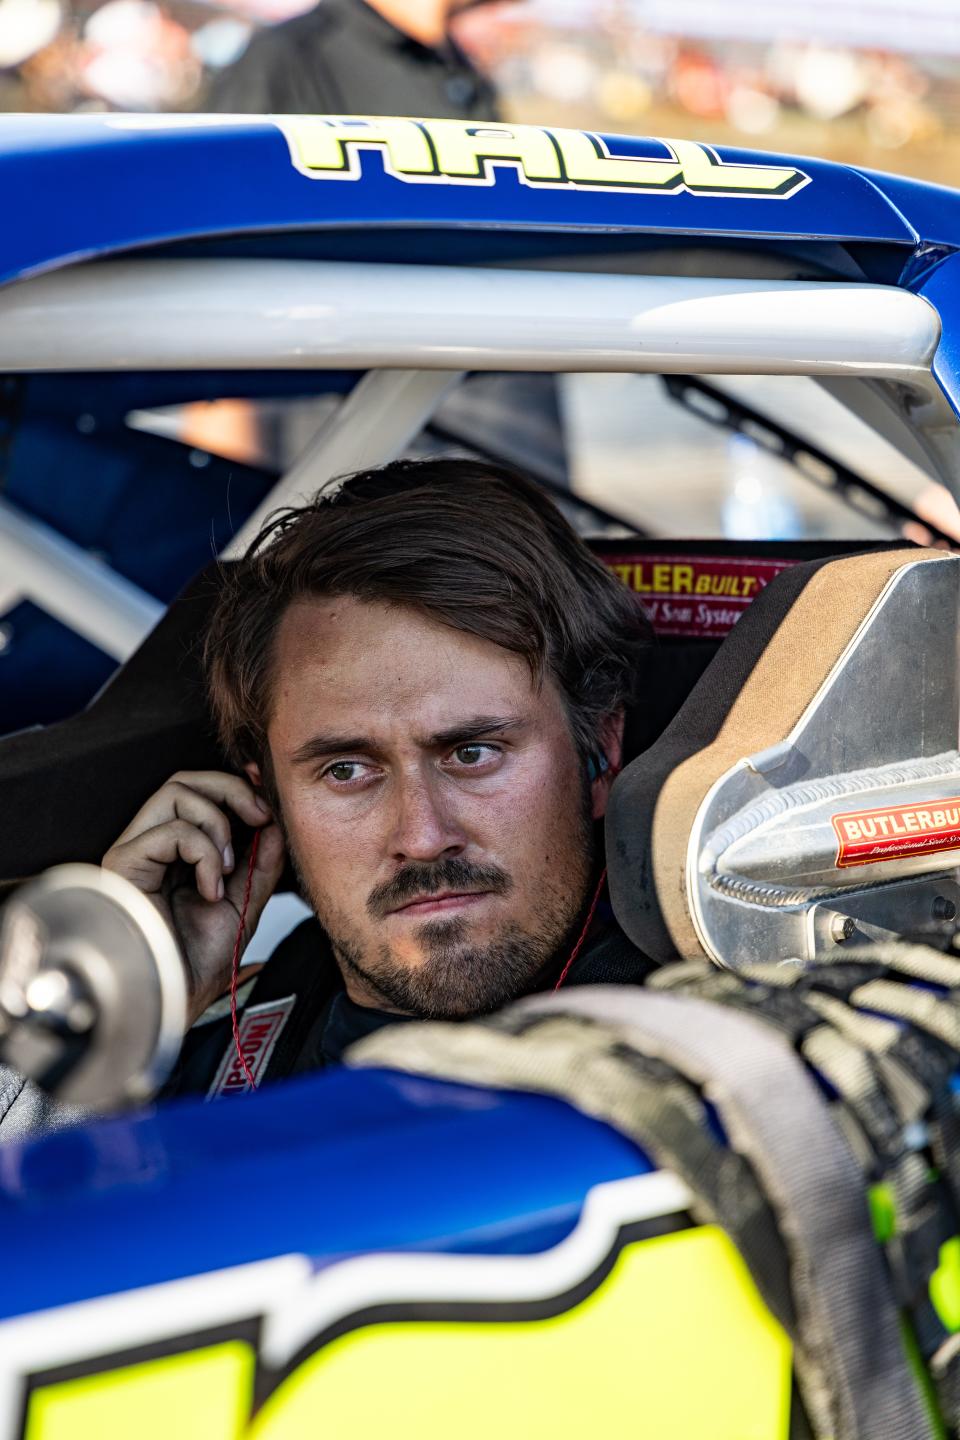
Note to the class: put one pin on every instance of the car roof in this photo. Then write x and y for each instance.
(88, 186)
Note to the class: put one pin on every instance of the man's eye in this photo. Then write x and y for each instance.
(343, 770)
(474, 754)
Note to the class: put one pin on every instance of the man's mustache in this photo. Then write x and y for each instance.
(416, 880)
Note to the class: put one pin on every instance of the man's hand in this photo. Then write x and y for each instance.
(178, 851)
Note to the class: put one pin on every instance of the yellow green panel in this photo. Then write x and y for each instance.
(200, 1395)
(675, 1343)
(945, 1285)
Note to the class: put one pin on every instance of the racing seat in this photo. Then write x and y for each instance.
(73, 786)
(67, 784)
(807, 792)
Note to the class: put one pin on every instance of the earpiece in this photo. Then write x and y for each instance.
(597, 765)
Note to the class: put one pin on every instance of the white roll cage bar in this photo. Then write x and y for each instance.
(415, 330)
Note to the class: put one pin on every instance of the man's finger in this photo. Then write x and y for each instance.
(190, 805)
(215, 786)
(145, 859)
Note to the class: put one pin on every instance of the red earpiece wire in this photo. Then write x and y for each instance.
(235, 972)
(614, 771)
(583, 933)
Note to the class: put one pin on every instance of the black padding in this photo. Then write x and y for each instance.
(633, 800)
(670, 671)
(69, 789)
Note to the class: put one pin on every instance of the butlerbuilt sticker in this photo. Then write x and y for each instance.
(898, 832)
(698, 597)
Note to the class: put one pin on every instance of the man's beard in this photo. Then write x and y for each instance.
(455, 978)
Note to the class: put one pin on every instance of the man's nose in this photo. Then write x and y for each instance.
(424, 828)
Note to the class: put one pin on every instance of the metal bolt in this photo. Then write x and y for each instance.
(842, 927)
(944, 909)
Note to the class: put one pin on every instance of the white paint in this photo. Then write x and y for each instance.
(286, 314)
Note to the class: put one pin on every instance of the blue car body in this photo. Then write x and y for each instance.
(348, 1164)
(90, 186)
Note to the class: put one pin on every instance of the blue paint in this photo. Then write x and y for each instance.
(942, 288)
(81, 186)
(340, 1163)
(932, 211)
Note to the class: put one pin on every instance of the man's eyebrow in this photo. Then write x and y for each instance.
(476, 726)
(468, 729)
(319, 745)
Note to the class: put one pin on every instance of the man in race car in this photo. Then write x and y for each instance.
(422, 678)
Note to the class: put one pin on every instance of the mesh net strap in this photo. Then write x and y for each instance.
(822, 1274)
(875, 1039)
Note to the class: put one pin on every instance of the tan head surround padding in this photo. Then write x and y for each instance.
(750, 697)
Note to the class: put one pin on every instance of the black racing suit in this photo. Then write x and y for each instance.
(298, 1017)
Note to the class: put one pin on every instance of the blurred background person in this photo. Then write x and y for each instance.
(386, 57)
(361, 57)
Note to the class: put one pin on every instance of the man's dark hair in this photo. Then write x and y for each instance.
(468, 543)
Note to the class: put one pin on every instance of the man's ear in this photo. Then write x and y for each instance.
(261, 778)
(610, 738)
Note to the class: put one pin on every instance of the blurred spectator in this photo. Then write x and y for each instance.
(26, 26)
(362, 57)
(397, 57)
(137, 57)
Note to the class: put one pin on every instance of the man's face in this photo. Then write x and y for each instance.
(433, 802)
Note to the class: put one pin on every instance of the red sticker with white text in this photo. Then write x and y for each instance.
(700, 597)
(260, 1029)
(866, 837)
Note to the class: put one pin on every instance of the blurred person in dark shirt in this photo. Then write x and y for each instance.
(397, 57)
(360, 57)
